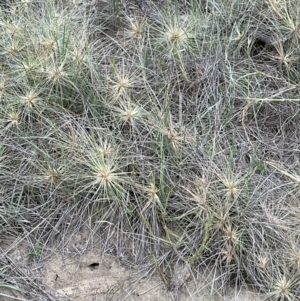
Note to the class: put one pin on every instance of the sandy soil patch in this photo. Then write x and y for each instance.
(93, 276)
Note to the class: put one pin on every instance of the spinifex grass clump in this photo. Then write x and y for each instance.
(171, 131)
(45, 57)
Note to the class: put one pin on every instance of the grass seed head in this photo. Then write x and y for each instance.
(106, 150)
(282, 289)
(263, 262)
(28, 67)
(152, 192)
(106, 175)
(135, 29)
(129, 113)
(122, 81)
(176, 36)
(56, 74)
(228, 253)
(13, 119)
(49, 45)
(295, 257)
(121, 85)
(231, 234)
(231, 187)
(53, 174)
(30, 99)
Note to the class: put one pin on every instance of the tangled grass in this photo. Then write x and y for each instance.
(175, 127)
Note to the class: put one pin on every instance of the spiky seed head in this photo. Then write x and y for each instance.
(105, 173)
(121, 85)
(49, 44)
(135, 29)
(129, 113)
(198, 194)
(53, 174)
(175, 139)
(152, 195)
(123, 80)
(14, 49)
(168, 129)
(28, 67)
(106, 150)
(152, 191)
(230, 234)
(282, 289)
(56, 74)
(295, 257)
(30, 99)
(231, 187)
(262, 262)
(228, 253)
(176, 35)
(13, 119)
(106, 176)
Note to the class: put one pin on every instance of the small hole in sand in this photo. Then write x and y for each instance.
(93, 266)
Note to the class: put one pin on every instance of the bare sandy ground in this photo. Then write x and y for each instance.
(93, 276)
